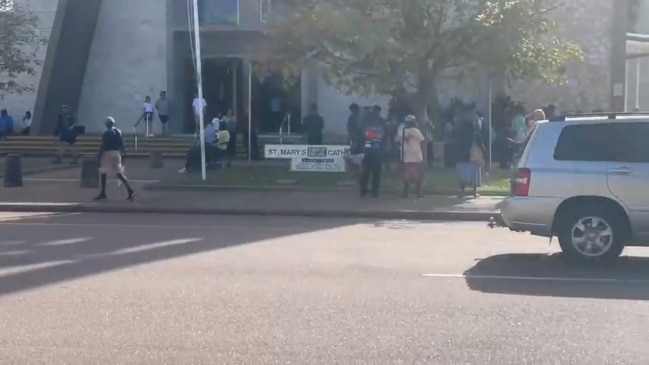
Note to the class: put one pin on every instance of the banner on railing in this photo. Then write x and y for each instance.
(326, 158)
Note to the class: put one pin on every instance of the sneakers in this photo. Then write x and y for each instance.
(182, 171)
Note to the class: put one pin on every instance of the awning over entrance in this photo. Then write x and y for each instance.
(637, 45)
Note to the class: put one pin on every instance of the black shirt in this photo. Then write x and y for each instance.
(313, 124)
(111, 140)
(64, 124)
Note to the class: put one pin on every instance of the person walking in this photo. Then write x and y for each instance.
(66, 131)
(375, 134)
(162, 105)
(412, 156)
(110, 158)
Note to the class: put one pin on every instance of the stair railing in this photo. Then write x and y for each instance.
(135, 131)
(286, 121)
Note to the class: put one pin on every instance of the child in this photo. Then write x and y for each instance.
(148, 116)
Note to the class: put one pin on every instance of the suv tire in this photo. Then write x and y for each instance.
(607, 221)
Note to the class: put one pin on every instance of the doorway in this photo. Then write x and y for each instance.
(273, 99)
(223, 88)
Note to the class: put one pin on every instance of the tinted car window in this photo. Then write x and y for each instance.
(630, 144)
(587, 142)
(614, 142)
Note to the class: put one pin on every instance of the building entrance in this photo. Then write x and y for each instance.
(277, 103)
(222, 89)
(225, 87)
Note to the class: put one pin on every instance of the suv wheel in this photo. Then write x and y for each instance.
(590, 233)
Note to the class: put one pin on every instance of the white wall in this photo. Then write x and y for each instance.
(128, 60)
(18, 104)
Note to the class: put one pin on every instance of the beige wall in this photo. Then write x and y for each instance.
(128, 60)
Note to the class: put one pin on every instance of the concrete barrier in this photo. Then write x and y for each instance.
(156, 161)
(89, 172)
(13, 177)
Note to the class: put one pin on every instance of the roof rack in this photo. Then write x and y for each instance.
(609, 115)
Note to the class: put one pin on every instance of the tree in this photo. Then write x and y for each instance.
(19, 43)
(394, 47)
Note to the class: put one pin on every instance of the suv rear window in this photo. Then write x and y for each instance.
(614, 142)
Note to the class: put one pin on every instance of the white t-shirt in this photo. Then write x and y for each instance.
(27, 122)
(199, 106)
(148, 107)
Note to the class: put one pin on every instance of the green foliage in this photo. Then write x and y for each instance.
(388, 46)
(20, 40)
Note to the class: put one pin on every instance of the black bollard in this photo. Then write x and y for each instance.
(89, 172)
(13, 171)
(155, 160)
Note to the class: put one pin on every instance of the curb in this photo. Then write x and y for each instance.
(285, 189)
(358, 214)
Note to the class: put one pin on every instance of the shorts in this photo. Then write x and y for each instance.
(111, 163)
(148, 117)
(163, 119)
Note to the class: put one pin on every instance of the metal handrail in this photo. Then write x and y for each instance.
(135, 131)
(285, 121)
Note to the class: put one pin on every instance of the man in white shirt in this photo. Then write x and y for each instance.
(199, 107)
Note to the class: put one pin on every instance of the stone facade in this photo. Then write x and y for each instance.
(131, 57)
(587, 23)
(128, 61)
(18, 104)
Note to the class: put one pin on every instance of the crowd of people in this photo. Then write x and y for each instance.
(376, 143)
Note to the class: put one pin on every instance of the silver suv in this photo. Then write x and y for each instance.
(582, 178)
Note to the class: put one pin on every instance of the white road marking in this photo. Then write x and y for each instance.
(536, 278)
(77, 180)
(157, 227)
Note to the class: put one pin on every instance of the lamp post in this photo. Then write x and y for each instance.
(199, 85)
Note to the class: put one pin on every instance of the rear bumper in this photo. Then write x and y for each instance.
(528, 214)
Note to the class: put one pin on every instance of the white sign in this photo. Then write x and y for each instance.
(287, 151)
(318, 164)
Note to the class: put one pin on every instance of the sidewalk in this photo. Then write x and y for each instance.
(59, 192)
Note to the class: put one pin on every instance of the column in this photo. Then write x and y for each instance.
(618, 55)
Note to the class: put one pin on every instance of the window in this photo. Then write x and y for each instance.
(631, 142)
(264, 9)
(613, 142)
(218, 12)
(268, 7)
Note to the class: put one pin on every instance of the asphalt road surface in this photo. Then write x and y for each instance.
(163, 289)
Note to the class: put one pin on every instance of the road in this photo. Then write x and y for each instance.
(164, 289)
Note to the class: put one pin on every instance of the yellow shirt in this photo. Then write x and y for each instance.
(222, 140)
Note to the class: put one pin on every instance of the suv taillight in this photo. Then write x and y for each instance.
(521, 182)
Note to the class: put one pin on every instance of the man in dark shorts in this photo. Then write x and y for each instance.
(162, 106)
(66, 132)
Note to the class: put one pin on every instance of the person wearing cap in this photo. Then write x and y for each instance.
(110, 158)
(410, 139)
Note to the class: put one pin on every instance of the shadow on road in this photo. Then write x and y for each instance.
(556, 276)
(69, 248)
